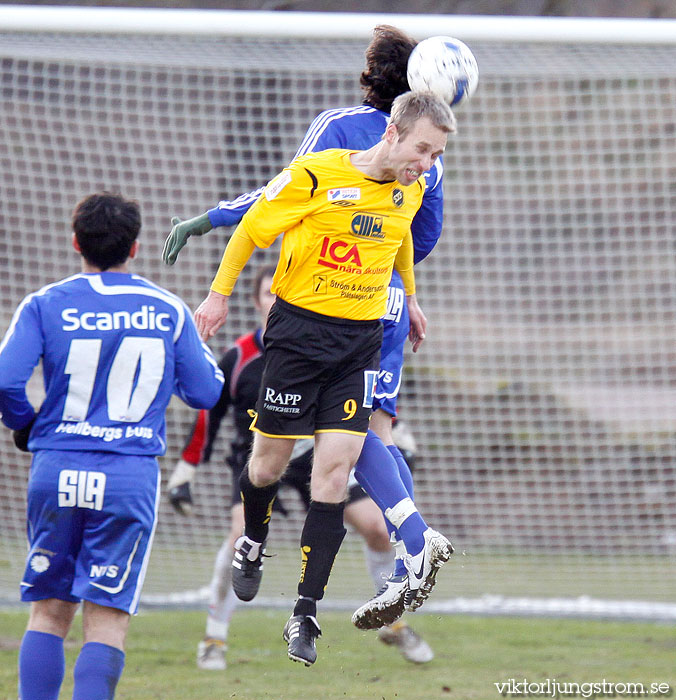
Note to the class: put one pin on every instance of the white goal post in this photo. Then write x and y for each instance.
(544, 399)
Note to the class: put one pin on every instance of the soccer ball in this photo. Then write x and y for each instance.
(445, 66)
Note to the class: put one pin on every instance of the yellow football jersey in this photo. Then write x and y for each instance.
(342, 233)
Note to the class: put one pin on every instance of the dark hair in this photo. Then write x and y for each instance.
(106, 226)
(263, 272)
(386, 63)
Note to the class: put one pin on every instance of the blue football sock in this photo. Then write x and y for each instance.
(97, 670)
(377, 472)
(42, 666)
(404, 469)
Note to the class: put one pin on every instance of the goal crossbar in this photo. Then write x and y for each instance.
(343, 25)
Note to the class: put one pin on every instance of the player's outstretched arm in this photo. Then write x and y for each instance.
(180, 232)
(227, 213)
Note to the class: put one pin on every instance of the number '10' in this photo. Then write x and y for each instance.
(133, 380)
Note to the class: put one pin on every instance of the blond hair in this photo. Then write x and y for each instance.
(411, 106)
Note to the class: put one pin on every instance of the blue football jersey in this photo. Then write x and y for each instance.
(356, 128)
(114, 348)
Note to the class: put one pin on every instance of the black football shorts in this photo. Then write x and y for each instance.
(319, 374)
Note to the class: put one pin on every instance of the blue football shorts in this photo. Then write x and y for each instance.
(91, 522)
(396, 326)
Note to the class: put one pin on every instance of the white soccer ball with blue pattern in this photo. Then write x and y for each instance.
(445, 66)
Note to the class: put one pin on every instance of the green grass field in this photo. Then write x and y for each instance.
(472, 654)
(468, 574)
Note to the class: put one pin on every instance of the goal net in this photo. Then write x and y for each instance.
(543, 402)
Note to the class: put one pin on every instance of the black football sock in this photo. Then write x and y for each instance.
(257, 506)
(305, 606)
(320, 541)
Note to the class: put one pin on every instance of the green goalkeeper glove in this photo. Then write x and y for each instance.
(181, 231)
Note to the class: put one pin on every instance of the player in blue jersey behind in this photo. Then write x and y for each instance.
(114, 348)
(381, 470)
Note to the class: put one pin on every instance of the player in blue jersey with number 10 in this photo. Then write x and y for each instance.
(114, 348)
(381, 469)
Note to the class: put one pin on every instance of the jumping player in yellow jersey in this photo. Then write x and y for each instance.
(347, 219)
(343, 232)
